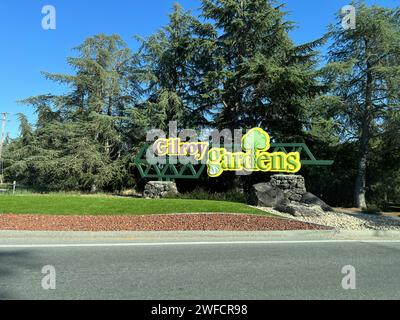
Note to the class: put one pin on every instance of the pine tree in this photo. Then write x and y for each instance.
(367, 63)
(81, 139)
(263, 78)
(175, 60)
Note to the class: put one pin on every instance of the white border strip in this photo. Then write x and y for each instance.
(203, 243)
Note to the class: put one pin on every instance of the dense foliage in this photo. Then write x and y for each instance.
(234, 66)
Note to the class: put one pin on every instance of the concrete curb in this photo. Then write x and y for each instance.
(34, 237)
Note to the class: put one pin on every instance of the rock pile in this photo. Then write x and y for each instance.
(293, 186)
(160, 189)
(287, 194)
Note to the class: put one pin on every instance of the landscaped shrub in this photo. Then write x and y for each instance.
(201, 194)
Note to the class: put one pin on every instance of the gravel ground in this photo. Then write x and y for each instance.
(346, 221)
(182, 222)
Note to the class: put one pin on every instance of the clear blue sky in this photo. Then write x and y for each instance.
(28, 49)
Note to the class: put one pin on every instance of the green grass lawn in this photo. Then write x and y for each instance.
(87, 205)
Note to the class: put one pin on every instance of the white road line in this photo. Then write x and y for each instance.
(203, 243)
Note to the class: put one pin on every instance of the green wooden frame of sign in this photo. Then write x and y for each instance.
(172, 171)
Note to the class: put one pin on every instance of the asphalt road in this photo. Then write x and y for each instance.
(192, 266)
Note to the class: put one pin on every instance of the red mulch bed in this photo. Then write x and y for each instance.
(181, 222)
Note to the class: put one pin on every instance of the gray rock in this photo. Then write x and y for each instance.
(292, 185)
(300, 210)
(285, 208)
(293, 195)
(309, 198)
(160, 189)
(265, 195)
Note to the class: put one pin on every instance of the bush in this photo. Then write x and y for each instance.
(201, 194)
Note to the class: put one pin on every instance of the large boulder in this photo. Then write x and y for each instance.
(265, 195)
(310, 199)
(160, 189)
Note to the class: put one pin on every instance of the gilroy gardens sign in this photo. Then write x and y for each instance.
(172, 158)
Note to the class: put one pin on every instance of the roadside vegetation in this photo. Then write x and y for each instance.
(202, 194)
(232, 66)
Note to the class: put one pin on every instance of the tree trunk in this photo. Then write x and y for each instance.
(109, 108)
(360, 184)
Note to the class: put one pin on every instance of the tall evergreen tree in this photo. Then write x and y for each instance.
(367, 62)
(174, 63)
(81, 138)
(263, 78)
(101, 82)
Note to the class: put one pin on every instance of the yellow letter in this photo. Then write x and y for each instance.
(293, 162)
(264, 162)
(160, 147)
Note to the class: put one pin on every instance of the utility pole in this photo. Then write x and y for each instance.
(3, 130)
